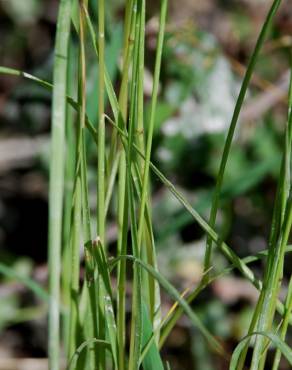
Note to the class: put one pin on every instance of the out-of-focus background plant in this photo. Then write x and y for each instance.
(207, 47)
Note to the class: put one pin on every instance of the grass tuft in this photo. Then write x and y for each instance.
(93, 308)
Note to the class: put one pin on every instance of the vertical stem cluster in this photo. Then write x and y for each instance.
(92, 318)
(94, 324)
(278, 241)
(123, 197)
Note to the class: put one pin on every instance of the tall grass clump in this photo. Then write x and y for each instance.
(92, 308)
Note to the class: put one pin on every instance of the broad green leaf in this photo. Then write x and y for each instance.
(152, 359)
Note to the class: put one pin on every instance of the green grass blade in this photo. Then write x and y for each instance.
(73, 362)
(145, 177)
(136, 324)
(123, 214)
(109, 87)
(138, 286)
(151, 359)
(90, 287)
(173, 293)
(271, 288)
(101, 126)
(178, 312)
(124, 206)
(75, 239)
(16, 72)
(101, 165)
(68, 196)
(154, 299)
(281, 226)
(234, 120)
(284, 327)
(154, 296)
(275, 339)
(163, 179)
(107, 297)
(223, 247)
(74, 104)
(57, 178)
(94, 253)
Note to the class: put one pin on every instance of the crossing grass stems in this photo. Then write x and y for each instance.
(94, 313)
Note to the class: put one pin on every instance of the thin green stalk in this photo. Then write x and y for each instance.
(90, 282)
(111, 182)
(223, 247)
(171, 187)
(88, 343)
(122, 103)
(96, 251)
(153, 286)
(277, 223)
(122, 248)
(68, 196)
(96, 287)
(277, 245)
(101, 125)
(274, 338)
(123, 200)
(87, 237)
(145, 177)
(136, 324)
(284, 327)
(234, 120)
(286, 183)
(75, 263)
(123, 212)
(173, 293)
(271, 288)
(129, 38)
(140, 80)
(109, 87)
(56, 186)
(101, 167)
(153, 291)
(169, 325)
(136, 315)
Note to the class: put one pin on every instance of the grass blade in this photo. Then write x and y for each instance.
(282, 219)
(145, 177)
(288, 310)
(175, 316)
(57, 178)
(152, 359)
(277, 341)
(73, 362)
(153, 288)
(171, 290)
(234, 120)
(223, 247)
